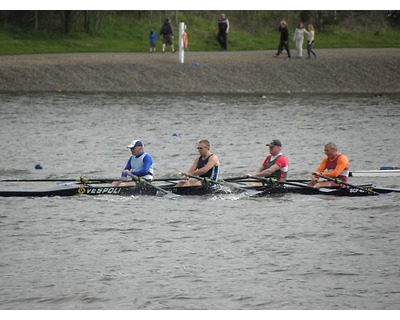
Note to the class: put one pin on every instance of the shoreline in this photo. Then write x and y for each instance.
(334, 71)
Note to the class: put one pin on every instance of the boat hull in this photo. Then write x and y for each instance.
(143, 189)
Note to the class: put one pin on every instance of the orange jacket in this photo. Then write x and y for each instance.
(185, 40)
(341, 169)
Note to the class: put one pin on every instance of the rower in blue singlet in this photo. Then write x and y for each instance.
(206, 165)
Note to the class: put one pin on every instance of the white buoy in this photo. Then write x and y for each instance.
(182, 28)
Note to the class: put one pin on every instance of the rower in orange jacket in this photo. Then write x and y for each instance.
(334, 165)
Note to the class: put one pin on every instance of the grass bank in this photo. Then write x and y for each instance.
(125, 35)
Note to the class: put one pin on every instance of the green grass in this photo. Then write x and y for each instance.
(124, 35)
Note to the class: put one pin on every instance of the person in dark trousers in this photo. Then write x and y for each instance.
(223, 29)
(167, 32)
(284, 40)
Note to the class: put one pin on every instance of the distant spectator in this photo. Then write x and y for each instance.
(167, 32)
(310, 41)
(298, 39)
(185, 39)
(284, 39)
(223, 29)
(153, 38)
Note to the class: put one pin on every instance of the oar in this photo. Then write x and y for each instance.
(338, 181)
(78, 180)
(273, 180)
(248, 192)
(166, 179)
(168, 194)
(242, 179)
(375, 173)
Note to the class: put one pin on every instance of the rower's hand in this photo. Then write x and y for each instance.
(247, 175)
(315, 178)
(184, 176)
(124, 176)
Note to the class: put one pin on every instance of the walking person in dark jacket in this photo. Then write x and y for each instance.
(167, 32)
(284, 40)
(223, 29)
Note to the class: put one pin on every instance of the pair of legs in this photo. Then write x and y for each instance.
(283, 44)
(221, 38)
(322, 184)
(311, 50)
(188, 183)
(299, 48)
(167, 40)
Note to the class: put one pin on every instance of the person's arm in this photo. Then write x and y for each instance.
(227, 28)
(127, 167)
(320, 169)
(281, 162)
(268, 172)
(192, 168)
(262, 168)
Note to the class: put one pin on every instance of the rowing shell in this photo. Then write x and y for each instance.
(141, 189)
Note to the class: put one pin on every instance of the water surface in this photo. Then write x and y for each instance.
(222, 252)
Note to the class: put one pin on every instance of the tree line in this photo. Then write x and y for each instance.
(91, 21)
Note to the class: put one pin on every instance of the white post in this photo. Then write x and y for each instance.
(181, 48)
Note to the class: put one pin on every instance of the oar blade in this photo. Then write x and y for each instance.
(171, 195)
(252, 193)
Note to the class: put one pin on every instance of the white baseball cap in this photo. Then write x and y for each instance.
(136, 143)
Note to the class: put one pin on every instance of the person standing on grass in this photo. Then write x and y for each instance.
(167, 32)
(310, 41)
(298, 39)
(284, 39)
(223, 29)
(153, 38)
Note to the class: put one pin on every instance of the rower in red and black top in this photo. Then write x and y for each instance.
(275, 165)
(205, 166)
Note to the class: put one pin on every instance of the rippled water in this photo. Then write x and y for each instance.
(223, 252)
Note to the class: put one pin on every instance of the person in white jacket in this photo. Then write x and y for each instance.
(298, 39)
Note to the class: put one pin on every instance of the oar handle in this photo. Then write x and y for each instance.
(205, 179)
(273, 180)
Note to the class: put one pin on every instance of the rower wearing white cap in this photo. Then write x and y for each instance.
(275, 165)
(139, 164)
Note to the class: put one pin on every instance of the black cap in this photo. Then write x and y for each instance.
(274, 143)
